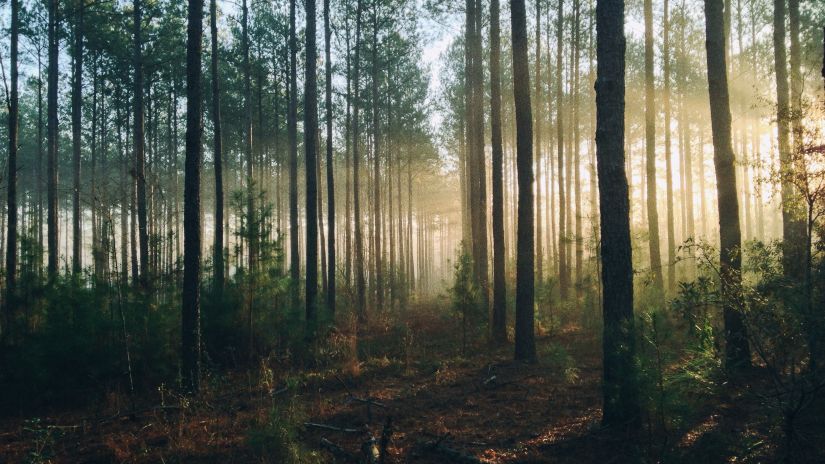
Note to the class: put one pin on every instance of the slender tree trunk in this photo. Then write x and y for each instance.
(793, 231)
(251, 217)
(564, 270)
(77, 100)
(539, 119)
(525, 345)
(499, 313)
(311, 158)
(217, 152)
(736, 351)
(671, 231)
(330, 165)
(360, 284)
(190, 320)
(139, 142)
(292, 135)
(650, 150)
(11, 236)
(52, 143)
(621, 397)
(376, 158)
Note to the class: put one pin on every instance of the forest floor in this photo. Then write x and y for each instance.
(444, 407)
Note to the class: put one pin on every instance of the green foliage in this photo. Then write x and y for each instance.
(277, 438)
(464, 295)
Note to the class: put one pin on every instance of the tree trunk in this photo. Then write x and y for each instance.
(251, 219)
(11, 236)
(360, 284)
(190, 316)
(52, 135)
(736, 351)
(525, 345)
(650, 151)
(292, 135)
(793, 231)
(77, 100)
(217, 152)
(499, 314)
(671, 231)
(564, 270)
(621, 397)
(311, 158)
(330, 165)
(139, 142)
(539, 119)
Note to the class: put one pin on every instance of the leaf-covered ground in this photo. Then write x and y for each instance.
(444, 404)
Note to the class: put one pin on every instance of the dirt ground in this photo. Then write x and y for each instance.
(443, 407)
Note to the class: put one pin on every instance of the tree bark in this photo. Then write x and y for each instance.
(621, 397)
(564, 270)
(499, 311)
(311, 158)
(52, 135)
(11, 236)
(292, 135)
(217, 152)
(77, 101)
(139, 147)
(650, 151)
(330, 165)
(190, 320)
(525, 344)
(736, 351)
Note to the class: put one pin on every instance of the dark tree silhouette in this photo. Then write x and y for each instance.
(330, 166)
(525, 296)
(52, 136)
(292, 135)
(499, 313)
(140, 145)
(11, 236)
(736, 350)
(190, 316)
(311, 158)
(621, 398)
(217, 150)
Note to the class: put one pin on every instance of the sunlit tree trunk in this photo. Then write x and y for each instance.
(650, 150)
(564, 269)
(292, 135)
(671, 228)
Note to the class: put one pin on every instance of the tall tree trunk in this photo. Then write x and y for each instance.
(499, 313)
(650, 150)
(52, 134)
(217, 152)
(311, 158)
(77, 100)
(736, 351)
(525, 345)
(577, 189)
(539, 119)
(671, 231)
(793, 228)
(376, 159)
(251, 219)
(621, 397)
(330, 165)
(292, 135)
(360, 283)
(564, 269)
(139, 142)
(190, 320)
(11, 236)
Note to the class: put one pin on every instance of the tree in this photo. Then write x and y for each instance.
(525, 254)
(793, 228)
(311, 158)
(564, 268)
(620, 389)
(292, 135)
(251, 220)
(217, 151)
(671, 233)
(360, 280)
(13, 107)
(737, 353)
(77, 100)
(52, 136)
(650, 150)
(330, 165)
(190, 320)
(499, 310)
(140, 145)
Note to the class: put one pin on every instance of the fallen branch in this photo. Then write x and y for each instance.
(332, 428)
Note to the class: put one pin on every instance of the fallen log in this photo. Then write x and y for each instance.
(332, 428)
